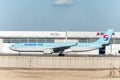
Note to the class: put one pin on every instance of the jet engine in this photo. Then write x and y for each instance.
(48, 51)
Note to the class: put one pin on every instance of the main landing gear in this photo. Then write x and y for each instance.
(61, 54)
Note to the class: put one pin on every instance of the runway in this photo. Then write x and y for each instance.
(55, 55)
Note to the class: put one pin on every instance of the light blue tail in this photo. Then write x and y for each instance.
(105, 38)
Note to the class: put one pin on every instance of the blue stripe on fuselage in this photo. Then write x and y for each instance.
(53, 45)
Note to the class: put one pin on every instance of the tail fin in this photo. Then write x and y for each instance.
(105, 38)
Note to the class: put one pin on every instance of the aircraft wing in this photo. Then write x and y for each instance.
(62, 48)
(59, 49)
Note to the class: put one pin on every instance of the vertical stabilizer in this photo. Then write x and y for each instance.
(105, 38)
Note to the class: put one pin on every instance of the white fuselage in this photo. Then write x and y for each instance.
(40, 47)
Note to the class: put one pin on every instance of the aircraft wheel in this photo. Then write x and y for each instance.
(61, 54)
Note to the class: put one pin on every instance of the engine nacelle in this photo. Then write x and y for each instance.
(48, 51)
(67, 50)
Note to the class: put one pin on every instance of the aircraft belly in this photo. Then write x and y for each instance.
(30, 49)
(82, 49)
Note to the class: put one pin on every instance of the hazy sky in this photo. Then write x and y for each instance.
(60, 15)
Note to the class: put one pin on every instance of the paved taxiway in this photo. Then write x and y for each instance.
(56, 55)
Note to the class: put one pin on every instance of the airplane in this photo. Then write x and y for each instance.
(65, 47)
